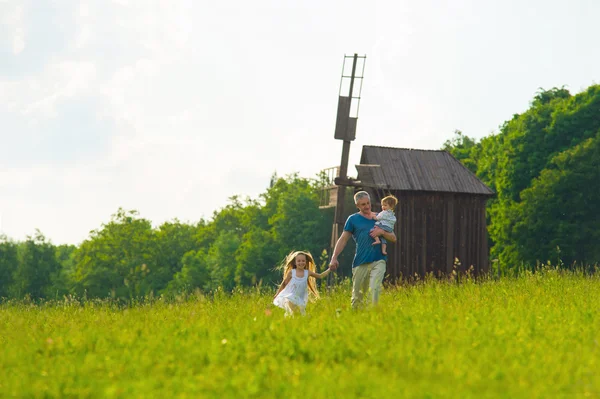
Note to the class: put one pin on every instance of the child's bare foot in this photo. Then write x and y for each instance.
(384, 249)
(376, 241)
(384, 252)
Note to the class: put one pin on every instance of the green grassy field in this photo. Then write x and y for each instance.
(536, 336)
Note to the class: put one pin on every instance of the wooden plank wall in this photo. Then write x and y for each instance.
(435, 228)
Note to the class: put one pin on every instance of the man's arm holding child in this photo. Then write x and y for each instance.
(390, 236)
(379, 232)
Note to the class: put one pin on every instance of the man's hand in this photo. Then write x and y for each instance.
(334, 264)
(339, 247)
(376, 232)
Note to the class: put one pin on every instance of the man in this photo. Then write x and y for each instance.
(368, 267)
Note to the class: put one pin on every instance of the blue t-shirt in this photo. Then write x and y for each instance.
(360, 227)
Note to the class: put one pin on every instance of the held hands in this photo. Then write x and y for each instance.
(333, 264)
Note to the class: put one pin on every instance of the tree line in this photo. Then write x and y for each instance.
(542, 164)
(241, 245)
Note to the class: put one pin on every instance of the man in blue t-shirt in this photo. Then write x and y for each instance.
(368, 267)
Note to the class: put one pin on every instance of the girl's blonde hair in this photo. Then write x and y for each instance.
(289, 263)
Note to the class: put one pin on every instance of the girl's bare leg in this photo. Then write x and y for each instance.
(291, 309)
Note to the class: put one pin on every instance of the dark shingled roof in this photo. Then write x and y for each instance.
(417, 170)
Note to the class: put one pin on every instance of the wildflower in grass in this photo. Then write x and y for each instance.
(299, 278)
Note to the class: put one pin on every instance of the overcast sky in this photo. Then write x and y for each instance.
(171, 107)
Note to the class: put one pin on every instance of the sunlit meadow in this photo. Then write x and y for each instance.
(535, 336)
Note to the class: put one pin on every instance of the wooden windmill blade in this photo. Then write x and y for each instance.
(345, 127)
(345, 130)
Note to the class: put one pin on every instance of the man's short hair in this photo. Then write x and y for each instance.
(360, 195)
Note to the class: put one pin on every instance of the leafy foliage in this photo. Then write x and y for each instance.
(37, 268)
(561, 207)
(462, 148)
(127, 258)
(116, 259)
(543, 166)
(8, 263)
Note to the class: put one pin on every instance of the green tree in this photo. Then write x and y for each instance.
(8, 264)
(222, 237)
(117, 259)
(172, 240)
(463, 148)
(256, 258)
(195, 274)
(37, 268)
(61, 282)
(559, 219)
(221, 260)
(295, 218)
(246, 241)
(526, 146)
(518, 158)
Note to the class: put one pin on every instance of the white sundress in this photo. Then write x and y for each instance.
(296, 292)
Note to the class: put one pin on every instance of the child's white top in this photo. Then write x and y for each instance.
(386, 218)
(296, 291)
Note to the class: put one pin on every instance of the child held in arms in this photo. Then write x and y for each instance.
(385, 220)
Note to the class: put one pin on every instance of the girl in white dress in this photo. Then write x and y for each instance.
(299, 278)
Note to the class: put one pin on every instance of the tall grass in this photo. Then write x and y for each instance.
(532, 336)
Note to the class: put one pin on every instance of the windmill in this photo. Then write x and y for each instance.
(345, 130)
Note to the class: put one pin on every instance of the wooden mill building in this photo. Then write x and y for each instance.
(440, 212)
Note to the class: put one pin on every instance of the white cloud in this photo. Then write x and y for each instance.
(62, 80)
(12, 18)
(18, 43)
